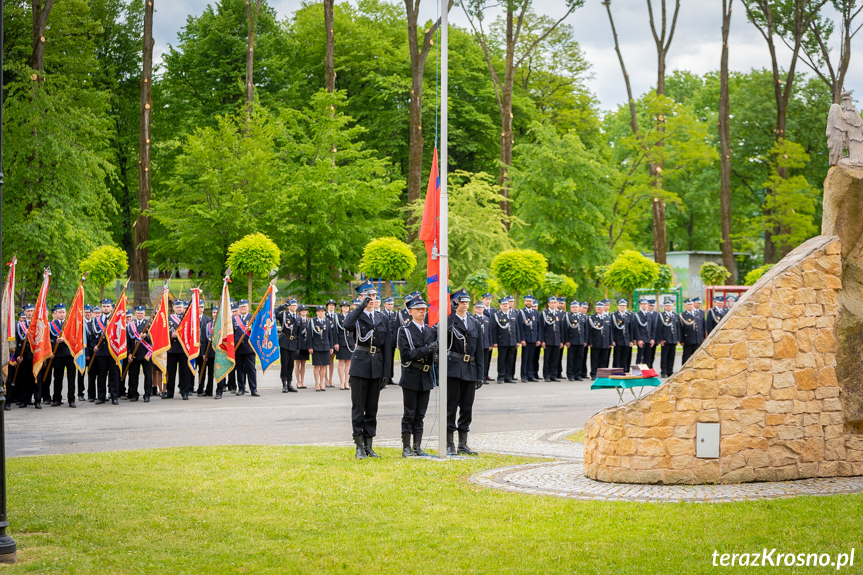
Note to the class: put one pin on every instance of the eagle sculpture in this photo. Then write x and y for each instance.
(845, 133)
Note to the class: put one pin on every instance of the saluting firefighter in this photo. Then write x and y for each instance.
(575, 341)
(715, 314)
(691, 330)
(601, 338)
(464, 373)
(551, 340)
(139, 354)
(669, 337)
(345, 341)
(622, 322)
(417, 344)
(371, 365)
(289, 342)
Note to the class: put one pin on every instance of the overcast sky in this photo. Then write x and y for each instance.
(695, 47)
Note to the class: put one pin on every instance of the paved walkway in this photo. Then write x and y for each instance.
(562, 477)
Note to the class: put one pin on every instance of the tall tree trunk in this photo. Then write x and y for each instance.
(330, 57)
(40, 22)
(141, 267)
(419, 55)
(252, 22)
(725, 149)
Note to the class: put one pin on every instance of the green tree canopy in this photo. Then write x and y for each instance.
(387, 258)
(104, 264)
(519, 271)
(713, 274)
(756, 274)
(631, 270)
(664, 278)
(253, 256)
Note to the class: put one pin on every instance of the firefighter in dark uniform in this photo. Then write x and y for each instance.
(63, 362)
(371, 365)
(669, 337)
(139, 354)
(245, 354)
(551, 340)
(25, 382)
(178, 364)
(529, 325)
(417, 344)
(464, 373)
(574, 340)
(205, 383)
(622, 323)
(601, 338)
(106, 368)
(644, 332)
(289, 342)
(585, 330)
(691, 330)
(485, 322)
(715, 314)
(505, 337)
(346, 343)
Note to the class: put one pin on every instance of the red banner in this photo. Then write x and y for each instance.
(160, 334)
(73, 331)
(39, 333)
(430, 235)
(115, 333)
(189, 331)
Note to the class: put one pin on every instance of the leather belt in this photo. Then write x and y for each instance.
(418, 365)
(370, 349)
(464, 357)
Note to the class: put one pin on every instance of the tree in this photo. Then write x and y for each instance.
(562, 198)
(790, 207)
(557, 285)
(480, 282)
(141, 267)
(516, 13)
(252, 24)
(631, 270)
(339, 196)
(713, 274)
(330, 55)
(387, 258)
(519, 271)
(725, 146)
(418, 55)
(253, 256)
(664, 279)
(104, 264)
(816, 52)
(755, 275)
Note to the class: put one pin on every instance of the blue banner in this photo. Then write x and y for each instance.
(264, 337)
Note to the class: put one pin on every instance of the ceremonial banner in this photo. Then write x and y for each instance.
(115, 333)
(223, 337)
(74, 332)
(160, 335)
(39, 333)
(7, 317)
(264, 338)
(430, 234)
(189, 330)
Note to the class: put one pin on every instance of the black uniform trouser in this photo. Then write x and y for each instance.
(135, 368)
(246, 372)
(527, 355)
(688, 350)
(584, 370)
(26, 383)
(287, 359)
(650, 355)
(505, 354)
(598, 358)
(622, 356)
(512, 361)
(46, 377)
(92, 376)
(206, 377)
(641, 353)
(63, 364)
(487, 356)
(574, 359)
(460, 394)
(416, 403)
(550, 355)
(535, 364)
(107, 371)
(81, 386)
(666, 359)
(177, 362)
(365, 393)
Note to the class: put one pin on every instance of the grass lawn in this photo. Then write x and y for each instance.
(317, 510)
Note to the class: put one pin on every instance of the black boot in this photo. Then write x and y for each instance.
(406, 445)
(450, 446)
(291, 387)
(418, 442)
(369, 451)
(361, 448)
(463, 449)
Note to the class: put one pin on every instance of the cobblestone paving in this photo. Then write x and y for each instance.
(563, 476)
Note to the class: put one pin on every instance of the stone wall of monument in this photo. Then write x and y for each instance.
(767, 374)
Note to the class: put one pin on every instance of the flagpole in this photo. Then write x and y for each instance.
(443, 269)
(254, 315)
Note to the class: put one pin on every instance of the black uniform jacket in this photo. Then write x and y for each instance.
(416, 357)
(464, 355)
(372, 358)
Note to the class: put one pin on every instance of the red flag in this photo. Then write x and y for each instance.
(73, 331)
(39, 333)
(115, 332)
(189, 330)
(160, 334)
(430, 234)
(9, 302)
